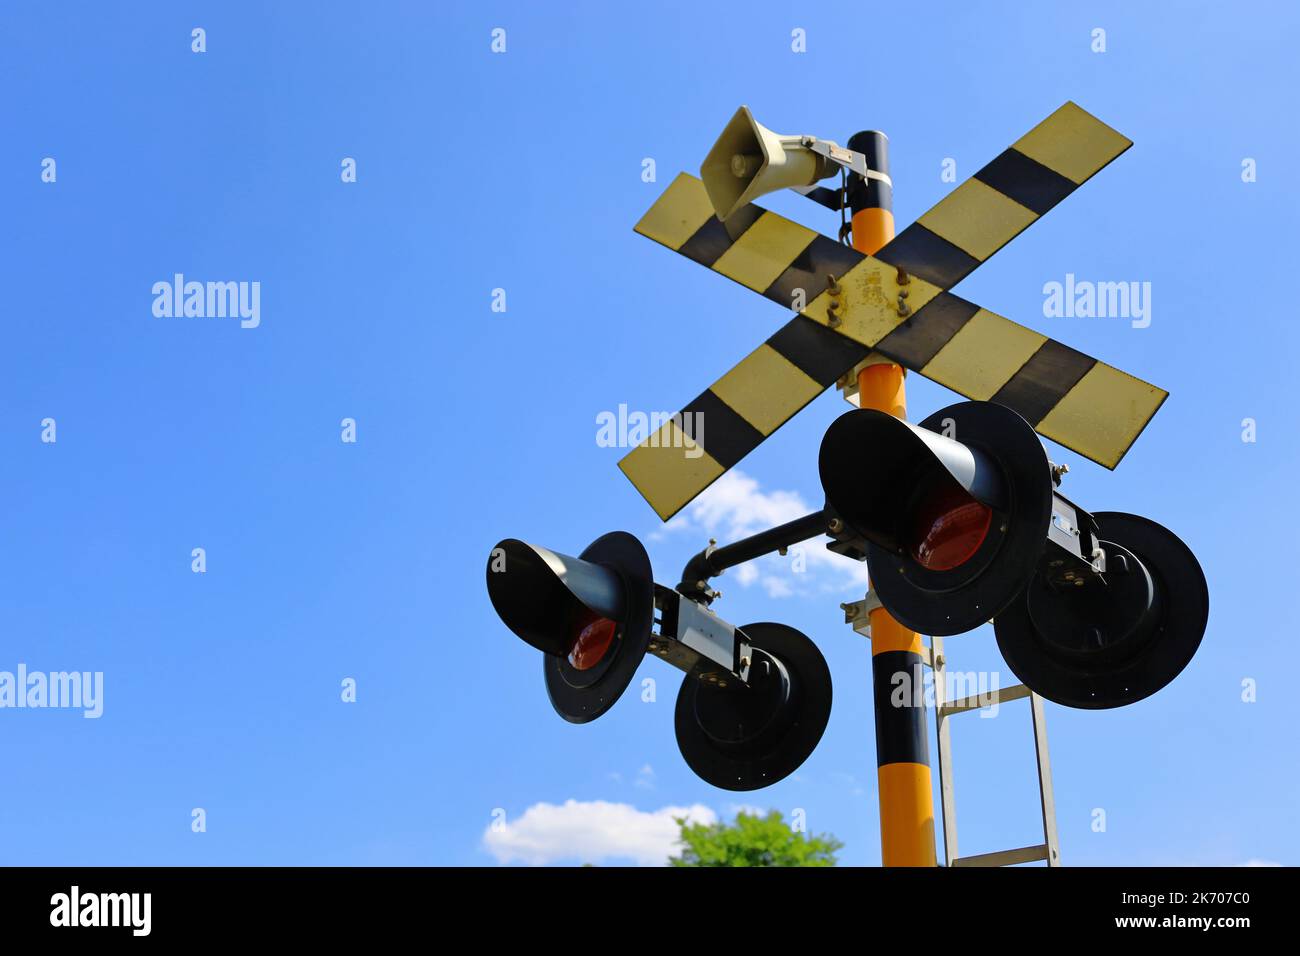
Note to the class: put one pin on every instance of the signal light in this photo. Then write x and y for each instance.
(754, 701)
(967, 526)
(918, 500)
(551, 601)
(592, 643)
(947, 529)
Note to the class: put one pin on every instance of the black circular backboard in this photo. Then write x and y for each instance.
(781, 741)
(1125, 673)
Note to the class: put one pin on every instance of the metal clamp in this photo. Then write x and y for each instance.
(858, 613)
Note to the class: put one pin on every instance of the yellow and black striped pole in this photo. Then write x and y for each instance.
(902, 745)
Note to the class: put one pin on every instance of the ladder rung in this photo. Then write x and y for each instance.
(999, 696)
(1025, 854)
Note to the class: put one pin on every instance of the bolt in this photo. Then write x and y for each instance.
(836, 526)
(832, 284)
(902, 277)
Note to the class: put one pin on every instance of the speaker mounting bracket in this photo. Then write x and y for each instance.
(849, 159)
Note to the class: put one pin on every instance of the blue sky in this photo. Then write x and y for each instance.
(328, 560)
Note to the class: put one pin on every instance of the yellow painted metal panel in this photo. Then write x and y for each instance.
(1073, 142)
(977, 218)
(765, 389)
(982, 355)
(868, 301)
(677, 214)
(1103, 414)
(764, 251)
(669, 469)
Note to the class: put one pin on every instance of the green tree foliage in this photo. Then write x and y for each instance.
(753, 841)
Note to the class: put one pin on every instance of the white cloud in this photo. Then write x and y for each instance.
(776, 587)
(592, 832)
(645, 777)
(1259, 863)
(735, 507)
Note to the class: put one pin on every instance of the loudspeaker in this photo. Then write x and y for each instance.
(749, 160)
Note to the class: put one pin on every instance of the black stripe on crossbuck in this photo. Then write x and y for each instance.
(822, 257)
(1027, 181)
(920, 252)
(1044, 380)
(818, 352)
(922, 335)
(727, 437)
(715, 237)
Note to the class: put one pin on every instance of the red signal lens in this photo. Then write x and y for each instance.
(592, 643)
(948, 528)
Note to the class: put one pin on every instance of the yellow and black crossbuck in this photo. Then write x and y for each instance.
(897, 304)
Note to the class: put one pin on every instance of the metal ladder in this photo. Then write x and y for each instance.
(1049, 849)
(857, 614)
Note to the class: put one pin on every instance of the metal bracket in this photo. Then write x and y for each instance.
(858, 613)
(695, 640)
(832, 199)
(849, 159)
(1073, 555)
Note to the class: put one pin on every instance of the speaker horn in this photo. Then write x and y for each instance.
(749, 160)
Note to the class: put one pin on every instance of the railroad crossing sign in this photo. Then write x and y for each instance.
(895, 303)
